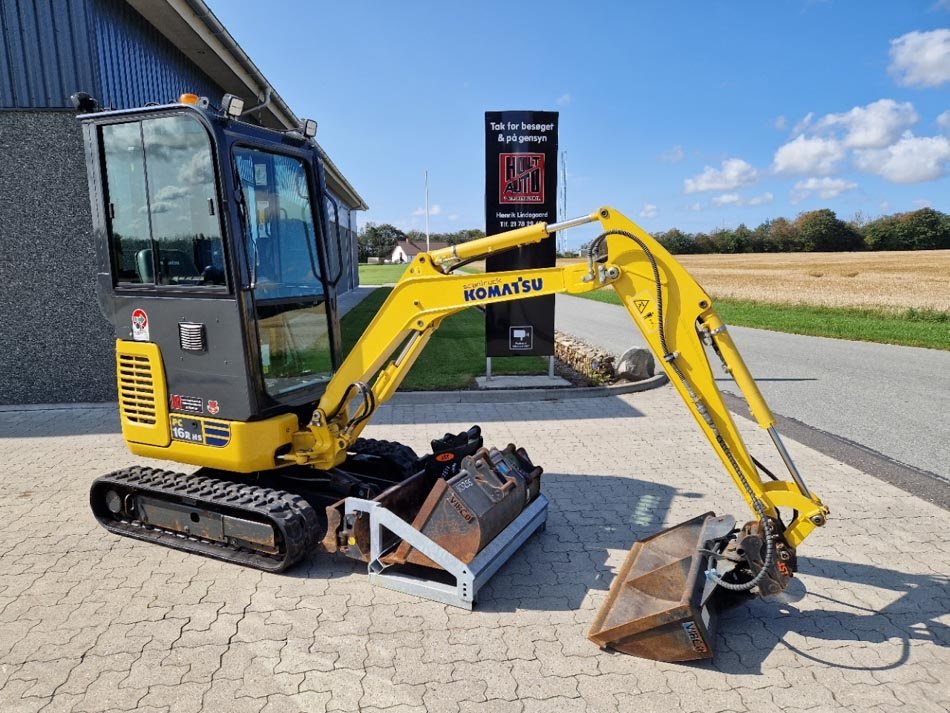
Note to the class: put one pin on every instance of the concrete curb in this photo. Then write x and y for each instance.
(507, 396)
(499, 396)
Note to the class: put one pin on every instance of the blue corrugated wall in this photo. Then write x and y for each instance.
(45, 52)
(136, 64)
(52, 48)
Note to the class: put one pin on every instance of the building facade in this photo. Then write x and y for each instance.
(55, 346)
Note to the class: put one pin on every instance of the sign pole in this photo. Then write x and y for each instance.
(427, 210)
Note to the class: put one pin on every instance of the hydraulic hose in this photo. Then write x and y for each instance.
(670, 358)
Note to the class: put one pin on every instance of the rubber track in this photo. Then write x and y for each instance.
(399, 455)
(296, 522)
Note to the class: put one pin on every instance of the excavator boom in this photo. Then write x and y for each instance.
(661, 602)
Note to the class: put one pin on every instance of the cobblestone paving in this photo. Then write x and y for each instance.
(93, 622)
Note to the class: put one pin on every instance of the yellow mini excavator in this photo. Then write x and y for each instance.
(219, 255)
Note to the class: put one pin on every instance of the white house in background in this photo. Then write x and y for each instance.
(405, 250)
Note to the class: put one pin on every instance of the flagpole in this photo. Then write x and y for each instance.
(427, 211)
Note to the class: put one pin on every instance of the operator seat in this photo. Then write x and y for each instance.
(176, 265)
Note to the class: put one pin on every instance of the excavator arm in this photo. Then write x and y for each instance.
(671, 310)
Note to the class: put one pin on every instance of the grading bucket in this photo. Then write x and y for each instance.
(660, 605)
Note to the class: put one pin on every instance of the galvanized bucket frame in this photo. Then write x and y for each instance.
(469, 578)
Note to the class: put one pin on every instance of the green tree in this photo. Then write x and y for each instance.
(924, 229)
(822, 231)
(378, 241)
(677, 242)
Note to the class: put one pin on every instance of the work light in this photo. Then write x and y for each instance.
(233, 106)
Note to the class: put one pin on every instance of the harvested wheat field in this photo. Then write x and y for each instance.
(890, 280)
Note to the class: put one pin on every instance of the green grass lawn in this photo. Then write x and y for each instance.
(915, 328)
(453, 357)
(381, 274)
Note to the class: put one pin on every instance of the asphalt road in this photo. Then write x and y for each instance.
(893, 400)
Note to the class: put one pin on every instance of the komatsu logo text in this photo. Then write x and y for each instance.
(515, 287)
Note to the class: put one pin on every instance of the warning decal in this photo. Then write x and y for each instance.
(139, 325)
(641, 305)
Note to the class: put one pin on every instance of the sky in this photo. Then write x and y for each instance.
(695, 115)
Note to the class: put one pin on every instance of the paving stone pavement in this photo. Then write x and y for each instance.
(93, 622)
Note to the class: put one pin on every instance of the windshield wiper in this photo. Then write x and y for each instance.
(245, 223)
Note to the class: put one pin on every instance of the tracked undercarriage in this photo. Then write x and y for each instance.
(230, 517)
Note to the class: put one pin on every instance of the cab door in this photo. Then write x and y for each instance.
(282, 241)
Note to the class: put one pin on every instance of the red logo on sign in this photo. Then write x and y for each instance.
(521, 178)
(213, 407)
(444, 457)
(176, 402)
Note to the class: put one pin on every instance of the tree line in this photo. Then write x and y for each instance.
(812, 231)
(379, 240)
(820, 231)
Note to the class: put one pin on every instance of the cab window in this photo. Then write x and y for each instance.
(280, 240)
(162, 204)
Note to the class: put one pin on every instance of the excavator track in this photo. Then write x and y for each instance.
(246, 524)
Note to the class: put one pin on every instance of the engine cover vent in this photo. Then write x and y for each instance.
(191, 337)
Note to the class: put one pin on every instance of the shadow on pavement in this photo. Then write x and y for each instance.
(749, 633)
(589, 518)
(56, 421)
(566, 410)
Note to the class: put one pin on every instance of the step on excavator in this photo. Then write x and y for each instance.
(219, 255)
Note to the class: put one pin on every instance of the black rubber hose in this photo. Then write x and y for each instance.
(670, 358)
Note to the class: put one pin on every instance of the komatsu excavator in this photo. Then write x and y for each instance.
(218, 269)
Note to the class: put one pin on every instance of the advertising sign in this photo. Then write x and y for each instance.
(520, 189)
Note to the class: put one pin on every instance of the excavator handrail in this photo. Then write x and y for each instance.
(671, 310)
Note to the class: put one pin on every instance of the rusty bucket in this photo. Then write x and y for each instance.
(466, 512)
(660, 606)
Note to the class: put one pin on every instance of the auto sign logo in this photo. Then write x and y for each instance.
(521, 178)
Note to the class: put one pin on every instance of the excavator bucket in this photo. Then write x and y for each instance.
(461, 503)
(660, 605)
(466, 512)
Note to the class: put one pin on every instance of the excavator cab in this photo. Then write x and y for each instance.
(218, 271)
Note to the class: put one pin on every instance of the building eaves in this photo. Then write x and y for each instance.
(193, 28)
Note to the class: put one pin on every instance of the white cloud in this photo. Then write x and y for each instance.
(734, 173)
(812, 155)
(884, 205)
(921, 59)
(803, 123)
(760, 200)
(434, 209)
(876, 125)
(943, 121)
(780, 122)
(911, 160)
(453, 217)
(735, 199)
(824, 187)
(696, 207)
(921, 203)
(674, 155)
(564, 99)
(649, 211)
(726, 199)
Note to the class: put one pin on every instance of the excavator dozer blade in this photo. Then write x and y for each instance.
(660, 605)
